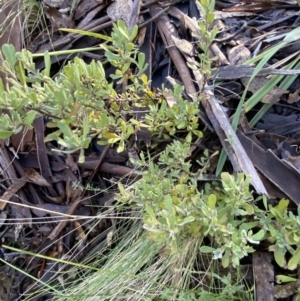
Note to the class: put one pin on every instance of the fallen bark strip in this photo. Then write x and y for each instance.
(237, 152)
(286, 179)
(237, 72)
(263, 272)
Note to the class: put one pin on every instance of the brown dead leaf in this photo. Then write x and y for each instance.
(35, 177)
(72, 164)
(293, 97)
(256, 83)
(79, 230)
(56, 200)
(141, 36)
(20, 140)
(238, 55)
(11, 191)
(171, 100)
(184, 46)
(274, 95)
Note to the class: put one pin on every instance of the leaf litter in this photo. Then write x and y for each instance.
(44, 207)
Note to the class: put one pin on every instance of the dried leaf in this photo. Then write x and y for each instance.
(238, 55)
(11, 191)
(184, 46)
(56, 200)
(274, 95)
(293, 97)
(79, 230)
(171, 100)
(35, 177)
(141, 36)
(20, 140)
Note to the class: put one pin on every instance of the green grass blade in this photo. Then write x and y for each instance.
(285, 84)
(264, 59)
(88, 33)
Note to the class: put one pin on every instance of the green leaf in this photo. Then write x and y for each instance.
(206, 249)
(226, 259)
(150, 212)
(248, 226)
(81, 156)
(226, 179)
(30, 116)
(65, 129)
(210, 17)
(259, 235)
(282, 206)
(249, 208)
(20, 72)
(10, 54)
(292, 36)
(64, 143)
(141, 60)
(298, 295)
(284, 279)
(47, 61)
(121, 146)
(169, 204)
(109, 135)
(130, 131)
(265, 202)
(5, 134)
(134, 32)
(112, 57)
(279, 254)
(85, 142)
(1, 87)
(86, 127)
(186, 220)
(113, 140)
(123, 29)
(212, 199)
(295, 260)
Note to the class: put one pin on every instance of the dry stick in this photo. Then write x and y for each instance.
(166, 30)
(219, 54)
(244, 163)
(153, 18)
